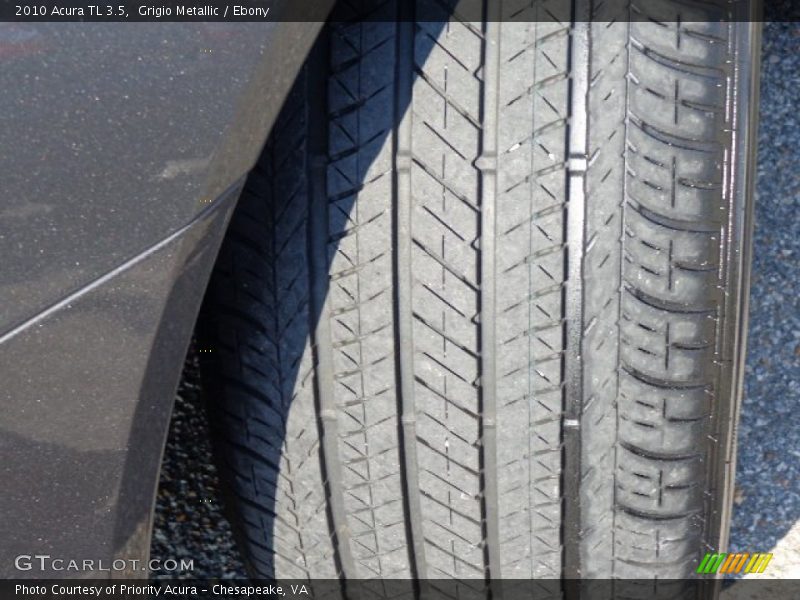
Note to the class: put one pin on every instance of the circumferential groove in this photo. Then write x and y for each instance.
(404, 310)
(487, 164)
(573, 302)
(319, 278)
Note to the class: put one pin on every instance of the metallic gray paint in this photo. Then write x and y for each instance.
(115, 135)
(85, 404)
(122, 147)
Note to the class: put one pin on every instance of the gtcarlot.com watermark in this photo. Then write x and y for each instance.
(45, 562)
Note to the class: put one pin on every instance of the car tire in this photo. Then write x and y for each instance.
(480, 312)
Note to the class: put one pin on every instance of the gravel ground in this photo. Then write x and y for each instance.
(188, 519)
(768, 471)
(189, 522)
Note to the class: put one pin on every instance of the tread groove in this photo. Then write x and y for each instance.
(321, 336)
(487, 165)
(404, 340)
(573, 299)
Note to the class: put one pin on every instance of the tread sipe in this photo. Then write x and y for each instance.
(479, 313)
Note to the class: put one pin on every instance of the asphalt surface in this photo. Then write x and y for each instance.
(189, 519)
(767, 502)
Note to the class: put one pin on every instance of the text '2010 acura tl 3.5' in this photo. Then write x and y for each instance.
(471, 284)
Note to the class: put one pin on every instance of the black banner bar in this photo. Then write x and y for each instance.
(435, 589)
(28, 11)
